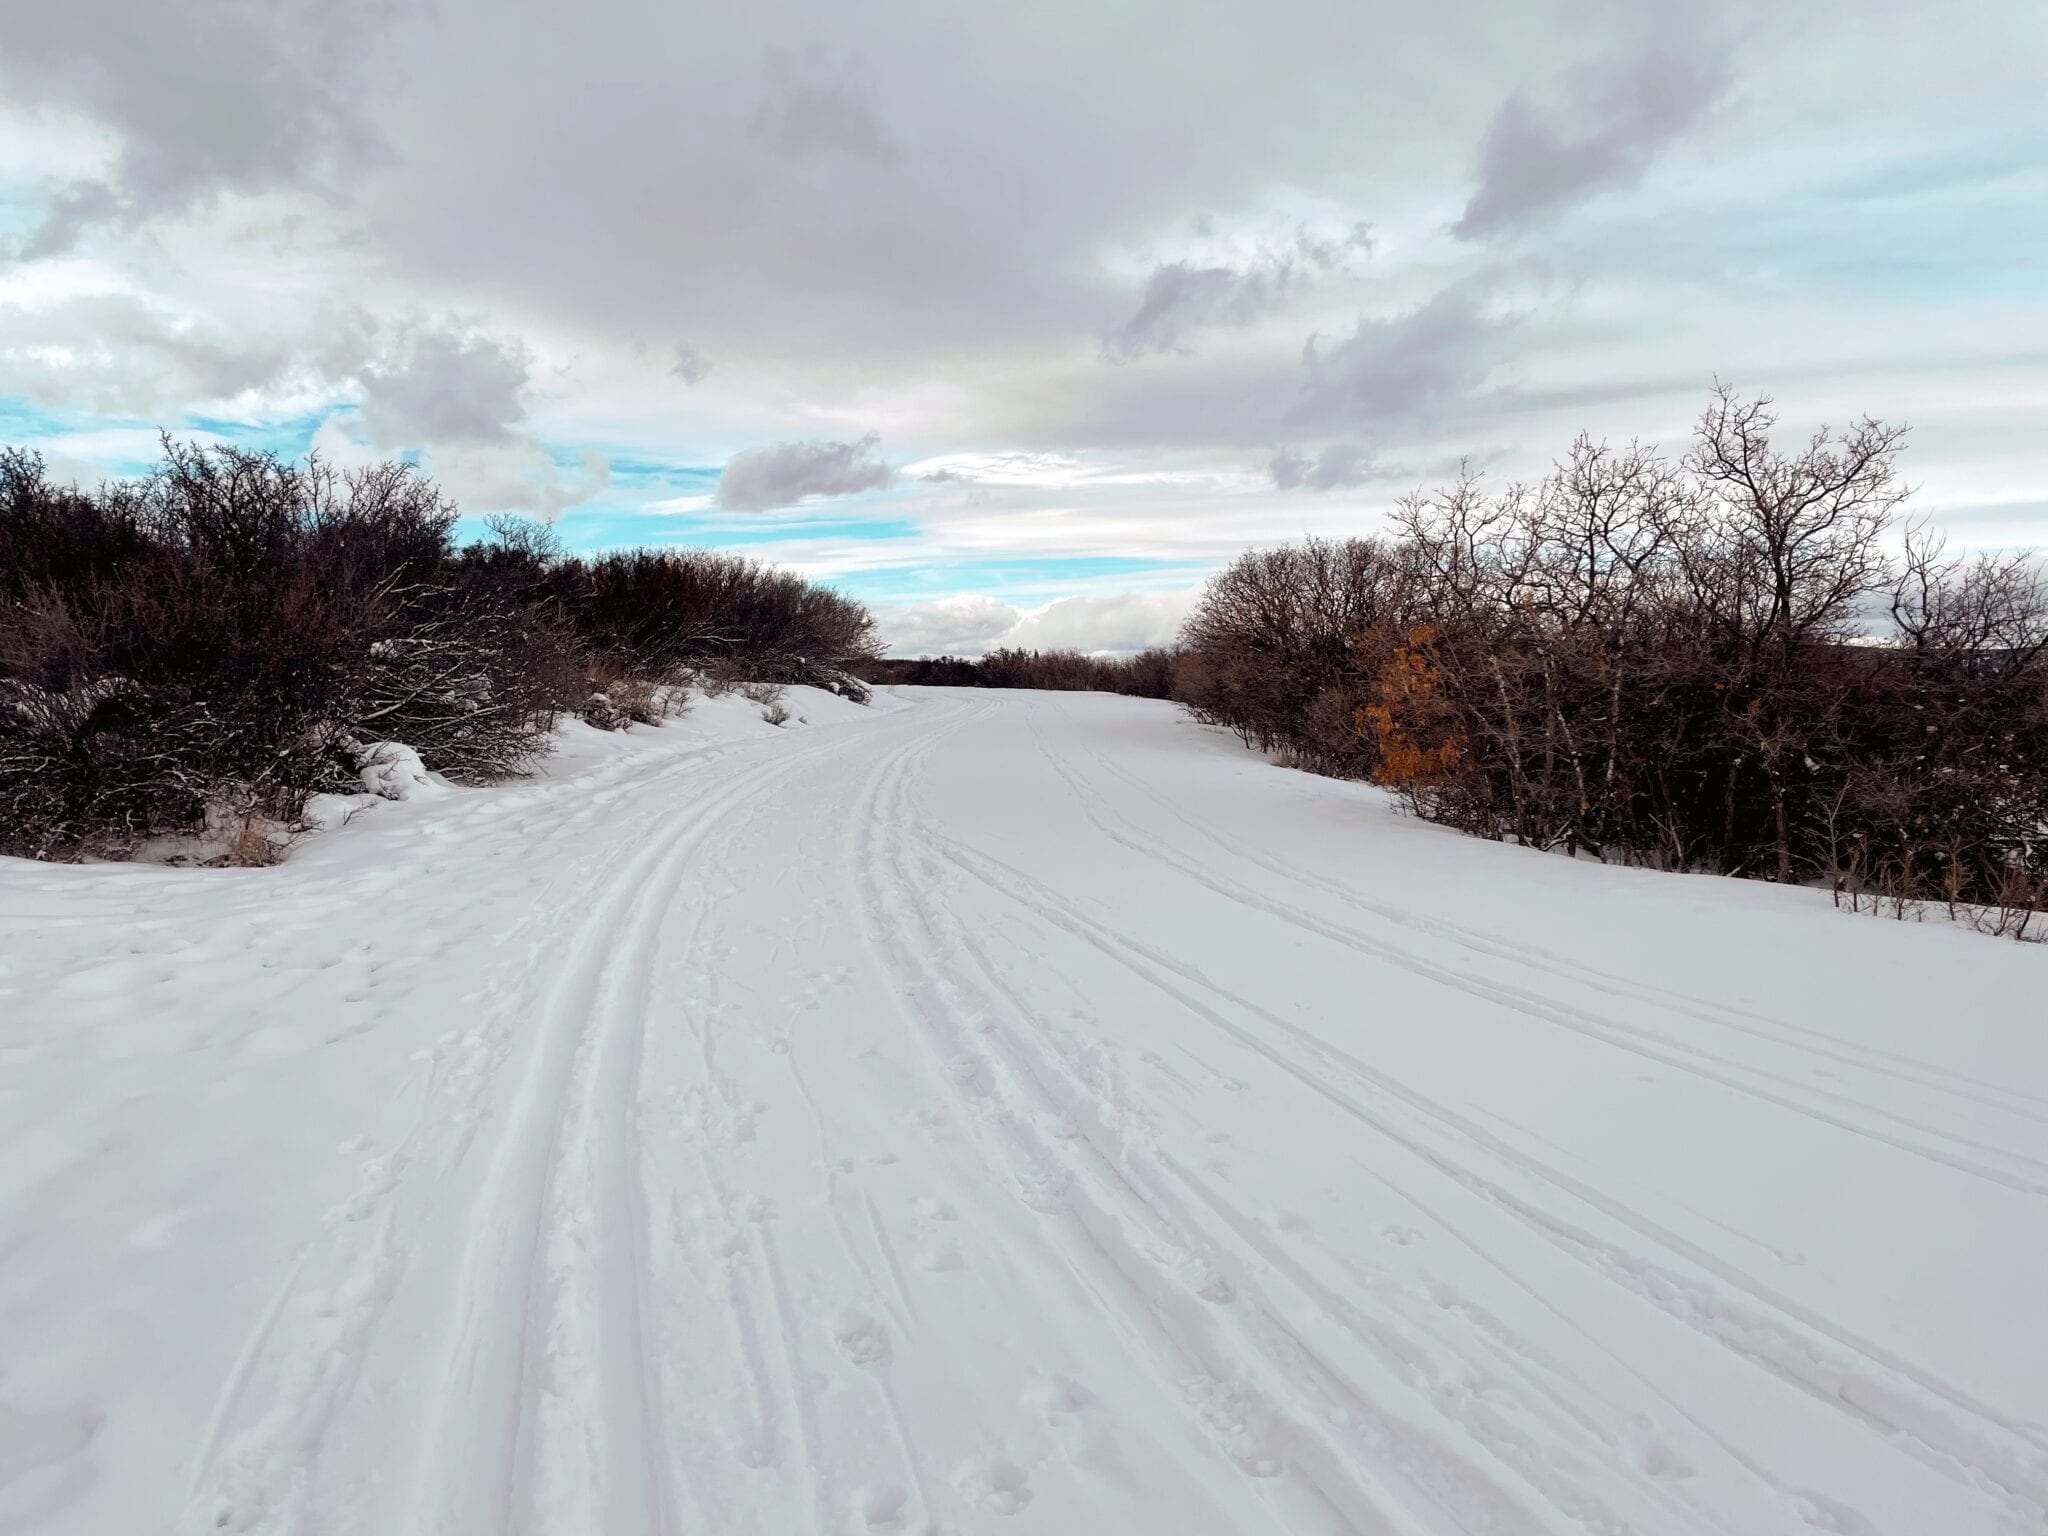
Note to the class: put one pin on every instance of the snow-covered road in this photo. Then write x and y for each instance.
(1002, 1112)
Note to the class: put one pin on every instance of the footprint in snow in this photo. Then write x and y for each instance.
(860, 1338)
(881, 1507)
(939, 1260)
(994, 1481)
(931, 1208)
(1056, 1397)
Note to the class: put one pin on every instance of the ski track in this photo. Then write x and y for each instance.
(1930, 1076)
(2032, 1177)
(1950, 1431)
(879, 1128)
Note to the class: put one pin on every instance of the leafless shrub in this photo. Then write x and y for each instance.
(253, 843)
(211, 635)
(1658, 661)
(1149, 674)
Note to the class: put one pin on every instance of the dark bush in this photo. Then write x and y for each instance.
(1149, 674)
(224, 637)
(1666, 662)
(654, 613)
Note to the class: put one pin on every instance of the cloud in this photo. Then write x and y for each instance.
(1340, 464)
(784, 474)
(809, 108)
(112, 352)
(513, 474)
(458, 397)
(973, 624)
(1534, 164)
(951, 626)
(691, 366)
(517, 476)
(936, 231)
(1401, 368)
(1124, 622)
(445, 384)
(229, 97)
(1401, 375)
(1181, 298)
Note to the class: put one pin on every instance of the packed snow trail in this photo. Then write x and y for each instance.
(1002, 1112)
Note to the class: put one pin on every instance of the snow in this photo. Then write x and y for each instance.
(1001, 1111)
(391, 770)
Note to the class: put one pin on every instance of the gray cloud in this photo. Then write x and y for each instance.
(131, 360)
(1342, 463)
(1533, 164)
(219, 96)
(1181, 298)
(1122, 622)
(455, 395)
(810, 107)
(458, 395)
(445, 384)
(113, 352)
(784, 474)
(1409, 366)
(691, 366)
(516, 475)
(655, 173)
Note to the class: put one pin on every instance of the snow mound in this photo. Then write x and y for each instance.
(391, 770)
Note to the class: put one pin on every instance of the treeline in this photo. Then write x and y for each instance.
(1738, 660)
(1147, 675)
(233, 632)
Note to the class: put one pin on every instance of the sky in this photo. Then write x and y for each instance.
(1017, 321)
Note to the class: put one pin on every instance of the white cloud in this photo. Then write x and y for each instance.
(970, 625)
(952, 626)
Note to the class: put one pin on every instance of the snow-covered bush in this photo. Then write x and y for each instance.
(391, 770)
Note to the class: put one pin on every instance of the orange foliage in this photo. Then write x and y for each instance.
(1409, 712)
